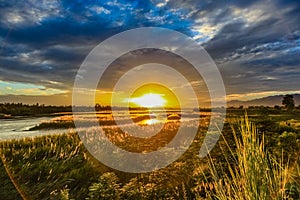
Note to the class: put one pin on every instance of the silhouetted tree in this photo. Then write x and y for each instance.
(288, 102)
(97, 107)
(277, 107)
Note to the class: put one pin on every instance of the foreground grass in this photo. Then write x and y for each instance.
(254, 174)
(45, 165)
(241, 166)
(8, 190)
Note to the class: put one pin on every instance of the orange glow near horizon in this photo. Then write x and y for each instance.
(153, 95)
(149, 100)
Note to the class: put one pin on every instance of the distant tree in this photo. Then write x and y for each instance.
(288, 102)
(97, 107)
(277, 107)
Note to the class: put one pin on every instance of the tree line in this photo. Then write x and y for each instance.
(16, 109)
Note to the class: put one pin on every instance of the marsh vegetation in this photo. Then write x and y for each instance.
(257, 157)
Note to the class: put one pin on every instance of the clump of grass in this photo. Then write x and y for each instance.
(252, 173)
(40, 167)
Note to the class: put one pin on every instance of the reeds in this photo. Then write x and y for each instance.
(251, 172)
(60, 166)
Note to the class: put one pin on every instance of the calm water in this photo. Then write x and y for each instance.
(18, 128)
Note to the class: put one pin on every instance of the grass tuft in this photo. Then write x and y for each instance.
(251, 173)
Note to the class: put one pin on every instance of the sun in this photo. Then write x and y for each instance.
(152, 95)
(149, 100)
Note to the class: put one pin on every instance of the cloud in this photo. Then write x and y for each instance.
(257, 42)
(44, 46)
(257, 95)
(12, 88)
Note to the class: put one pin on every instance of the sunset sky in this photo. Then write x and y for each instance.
(255, 44)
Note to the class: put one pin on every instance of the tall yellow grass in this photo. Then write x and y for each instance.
(254, 173)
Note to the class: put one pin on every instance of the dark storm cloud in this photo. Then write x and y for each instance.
(235, 36)
(261, 54)
(44, 42)
(39, 45)
(271, 26)
(41, 74)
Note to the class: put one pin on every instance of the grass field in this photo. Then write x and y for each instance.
(257, 157)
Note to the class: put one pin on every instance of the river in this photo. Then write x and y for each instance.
(18, 128)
